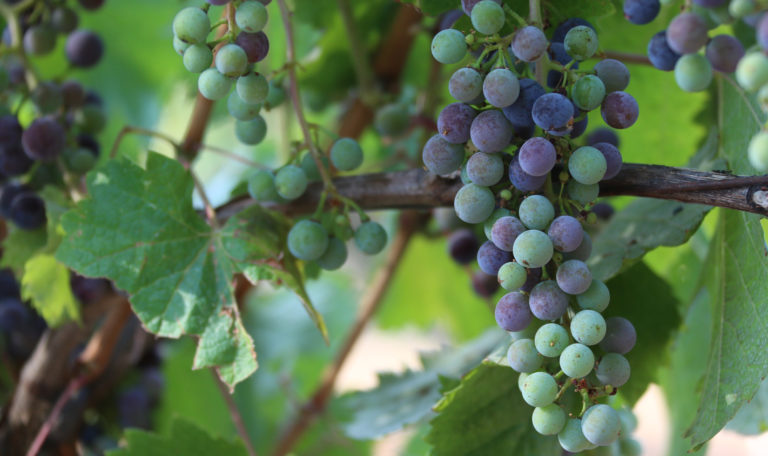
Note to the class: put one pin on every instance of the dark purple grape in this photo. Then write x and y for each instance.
(512, 312)
(441, 157)
(547, 301)
(467, 5)
(724, 53)
(552, 111)
(603, 211)
(660, 54)
(558, 53)
(454, 122)
(13, 160)
(84, 48)
(89, 142)
(579, 127)
(21, 327)
(710, 3)
(218, 2)
(522, 180)
(9, 286)
(566, 233)
(484, 285)
(490, 131)
(44, 140)
(534, 277)
(490, 258)
(88, 290)
(64, 19)
(504, 232)
(91, 4)
(613, 159)
(27, 211)
(641, 11)
(620, 335)
(134, 409)
(573, 277)
(519, 112)
(255, 45)
(687, 33)
(620, 110)
(537, 156)
(462, 246)
(73, 94)
(449, 18)
(10, 192)
(562, 29)
(600, 135)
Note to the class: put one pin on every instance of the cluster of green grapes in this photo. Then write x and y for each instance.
(530, 186)
(229, 61)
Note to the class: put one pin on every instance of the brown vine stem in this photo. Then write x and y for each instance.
(626, 57)
(410, 222)
(234, 413)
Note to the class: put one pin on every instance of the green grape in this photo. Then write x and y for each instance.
(334, 256)
(521, 381)
(630, 447)
(536, 212)
(179, 46)
(91, 118)
(490, 221)
(276, 95)
(346, 154)
(261, 186)
(79, 160)
(693, 72)
(551, 339)
(548, 420)
(581, 42)
(613, 369)
(191, 25)
(392, 119)
(197, 58)
(512, 276)
(596, 297)
(587, 165)
(370, 238)
(752, 71)
(310, 167)
(523, 357)
(307, 240)
(582, 194)
(757, 151)
(474, 204)
(240, 109)
(577, 360)
(628, 421)
(448, 46)
(251, 16)
(253, 88)
(600, 425)
(252, 131)
(741, 8)
(532, 249)
(571, 438)
(213, 85)
(290, 182)
(231, 60)
(539, 389)
(588, 327)
(487, 17)
(588, 92)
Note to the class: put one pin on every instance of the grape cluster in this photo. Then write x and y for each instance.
(58, 143)
(680, 47)
(530, 186)
(20, 326)
(229, 61)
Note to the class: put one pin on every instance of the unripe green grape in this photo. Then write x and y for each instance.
(64, 20)
(532, 249)
(588, 92)
(512, 276)
(276, 95)
(577, 360)
(600, 425)
(581, 42)
(613, 370)
(39, 39)
(79, 160)
(752, 71)
(261, 186)
(762, 97)
(551, 339)
(571, 438)
(523, 357)
(548, 420)
(310, 167)
(180, 46)
(740, 8)
(539, 389)
(630, 447)
(757, 152)
(370, 238)
(474, 204)
(588, 327)
(693, 72)
(191, 25)
(252, 88)
(536, 212)
(291, 182)
(334, 256)
(240, 109)
(231, 60)
(252, 131)
(91, 119)
(596, 297)
(581, 193)
(197, 58)
(392, 119)
(213, 85)
(490, 221)
(251, 16)
(487, 17)
(521, 380)
(587, 165)
(307, 240)
(346, 154)
(448, 46)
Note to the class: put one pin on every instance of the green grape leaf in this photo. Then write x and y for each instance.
(46, 284)
(641, 296)
(407, 398)
(484, 415)
(184, 438)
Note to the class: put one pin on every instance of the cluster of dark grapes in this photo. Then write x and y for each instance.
(20, 326)
(59, 142)
(531, 187)
(679, 48)
(230, 61)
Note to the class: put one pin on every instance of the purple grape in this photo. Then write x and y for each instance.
(454, 122)
(620, 110)
(27, 211)
(566, 233)
(620, 336)
(614, 74)
(600, 135)
(44, 140)
(558, 53)
(552, 111)
(710, 3)
(529, 44)
(91, 4)
(547, 301)
(13, 160)
(522, 180)
(603, 211)
(573, 277)
(462, 246)
(490, 131)
(441, 157)
(641, 11)
(485, 169)
(73, 94)
(484, 285)
(10, 191)
(660, 54)
(88, 290)
(762, 32)
(724, 53)
(501, 88)
(687, 33)
(562, 29)
(9, 286)
(582, 252)
(84, 48)
(448, 19)
(579, 127)
(534, 277)
(490, 258)
(133, 409)
(255, 45)
(512, 312)
(465, 85)
(613, 159)
(504, 232)
(519, 112)
(467, 5)
(537, 156)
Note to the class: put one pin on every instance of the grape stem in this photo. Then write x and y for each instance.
(234, 413)
(563, 388)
